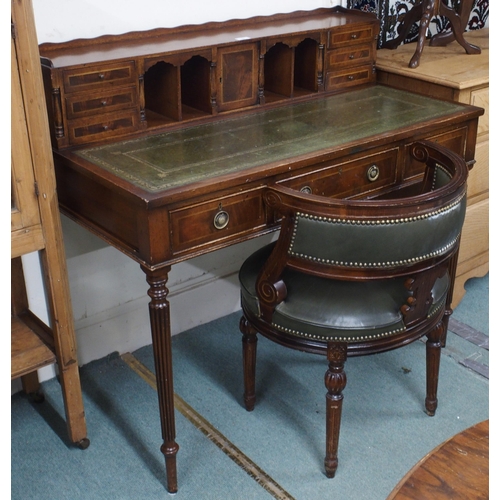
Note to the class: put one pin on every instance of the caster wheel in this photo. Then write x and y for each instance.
(83, 444)
(38, 397)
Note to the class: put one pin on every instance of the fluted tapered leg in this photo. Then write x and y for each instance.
(159, 312)
(249, 360)
(433, 350)
(335, 382)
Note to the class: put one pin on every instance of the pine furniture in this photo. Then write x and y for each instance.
(36, 227)
(165, 140)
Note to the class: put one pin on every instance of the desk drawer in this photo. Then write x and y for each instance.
(216, 219)
(336, 80)
(350, 35)
(349, 56)
(349, 178)
(100, 102)
(102, 126)
(99, 76)
(454, 140)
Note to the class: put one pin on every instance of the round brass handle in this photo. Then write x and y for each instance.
(373, 173)
(101, 76)
(306, 190)
(221, 219)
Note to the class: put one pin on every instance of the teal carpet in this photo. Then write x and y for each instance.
(384, 428)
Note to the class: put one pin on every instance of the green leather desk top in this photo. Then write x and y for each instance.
(170, 159)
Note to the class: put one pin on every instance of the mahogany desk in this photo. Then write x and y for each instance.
(204, 118)
(168, 197)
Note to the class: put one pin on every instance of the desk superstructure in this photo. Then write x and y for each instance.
(164, 140)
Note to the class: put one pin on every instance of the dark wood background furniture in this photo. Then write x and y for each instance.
(457, 468)
(423, 11)
(36, 227)
(164, 140)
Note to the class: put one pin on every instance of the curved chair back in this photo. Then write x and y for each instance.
(330, 236)
(365, 239)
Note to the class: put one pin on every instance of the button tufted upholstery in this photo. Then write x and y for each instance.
(354, 277)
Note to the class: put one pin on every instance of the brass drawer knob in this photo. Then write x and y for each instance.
(221, 219)
(306, 190)
(373, 173)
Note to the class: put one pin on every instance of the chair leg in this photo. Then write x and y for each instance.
(249, 341)
(335, 382)
(433, 352)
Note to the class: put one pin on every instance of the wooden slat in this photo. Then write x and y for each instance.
(26, 240)
(28, 352)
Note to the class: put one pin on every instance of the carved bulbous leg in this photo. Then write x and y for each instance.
(335, 382)
(249, 341)
(429, 7)
(159, 312)
(433, 351)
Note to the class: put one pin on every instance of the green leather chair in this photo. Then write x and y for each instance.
(355, 277)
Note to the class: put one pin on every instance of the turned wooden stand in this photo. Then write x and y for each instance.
(423, 12)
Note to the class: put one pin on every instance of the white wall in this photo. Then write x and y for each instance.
(108, 290)
(62, 20)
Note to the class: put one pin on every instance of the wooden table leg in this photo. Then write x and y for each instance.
(429, 9)
(159, 312)
(409, 20)
(423, 12)
(446, 37)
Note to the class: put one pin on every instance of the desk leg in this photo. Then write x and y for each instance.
(159, 312)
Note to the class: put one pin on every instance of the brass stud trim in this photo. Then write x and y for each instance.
(402, 220)
(327, 338)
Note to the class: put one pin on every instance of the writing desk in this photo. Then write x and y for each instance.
(124, 191)
(170, 189)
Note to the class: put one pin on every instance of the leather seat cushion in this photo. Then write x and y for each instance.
(325, 309)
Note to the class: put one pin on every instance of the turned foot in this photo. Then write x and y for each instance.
(335, 382)
(433, 357)
(249, 341)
